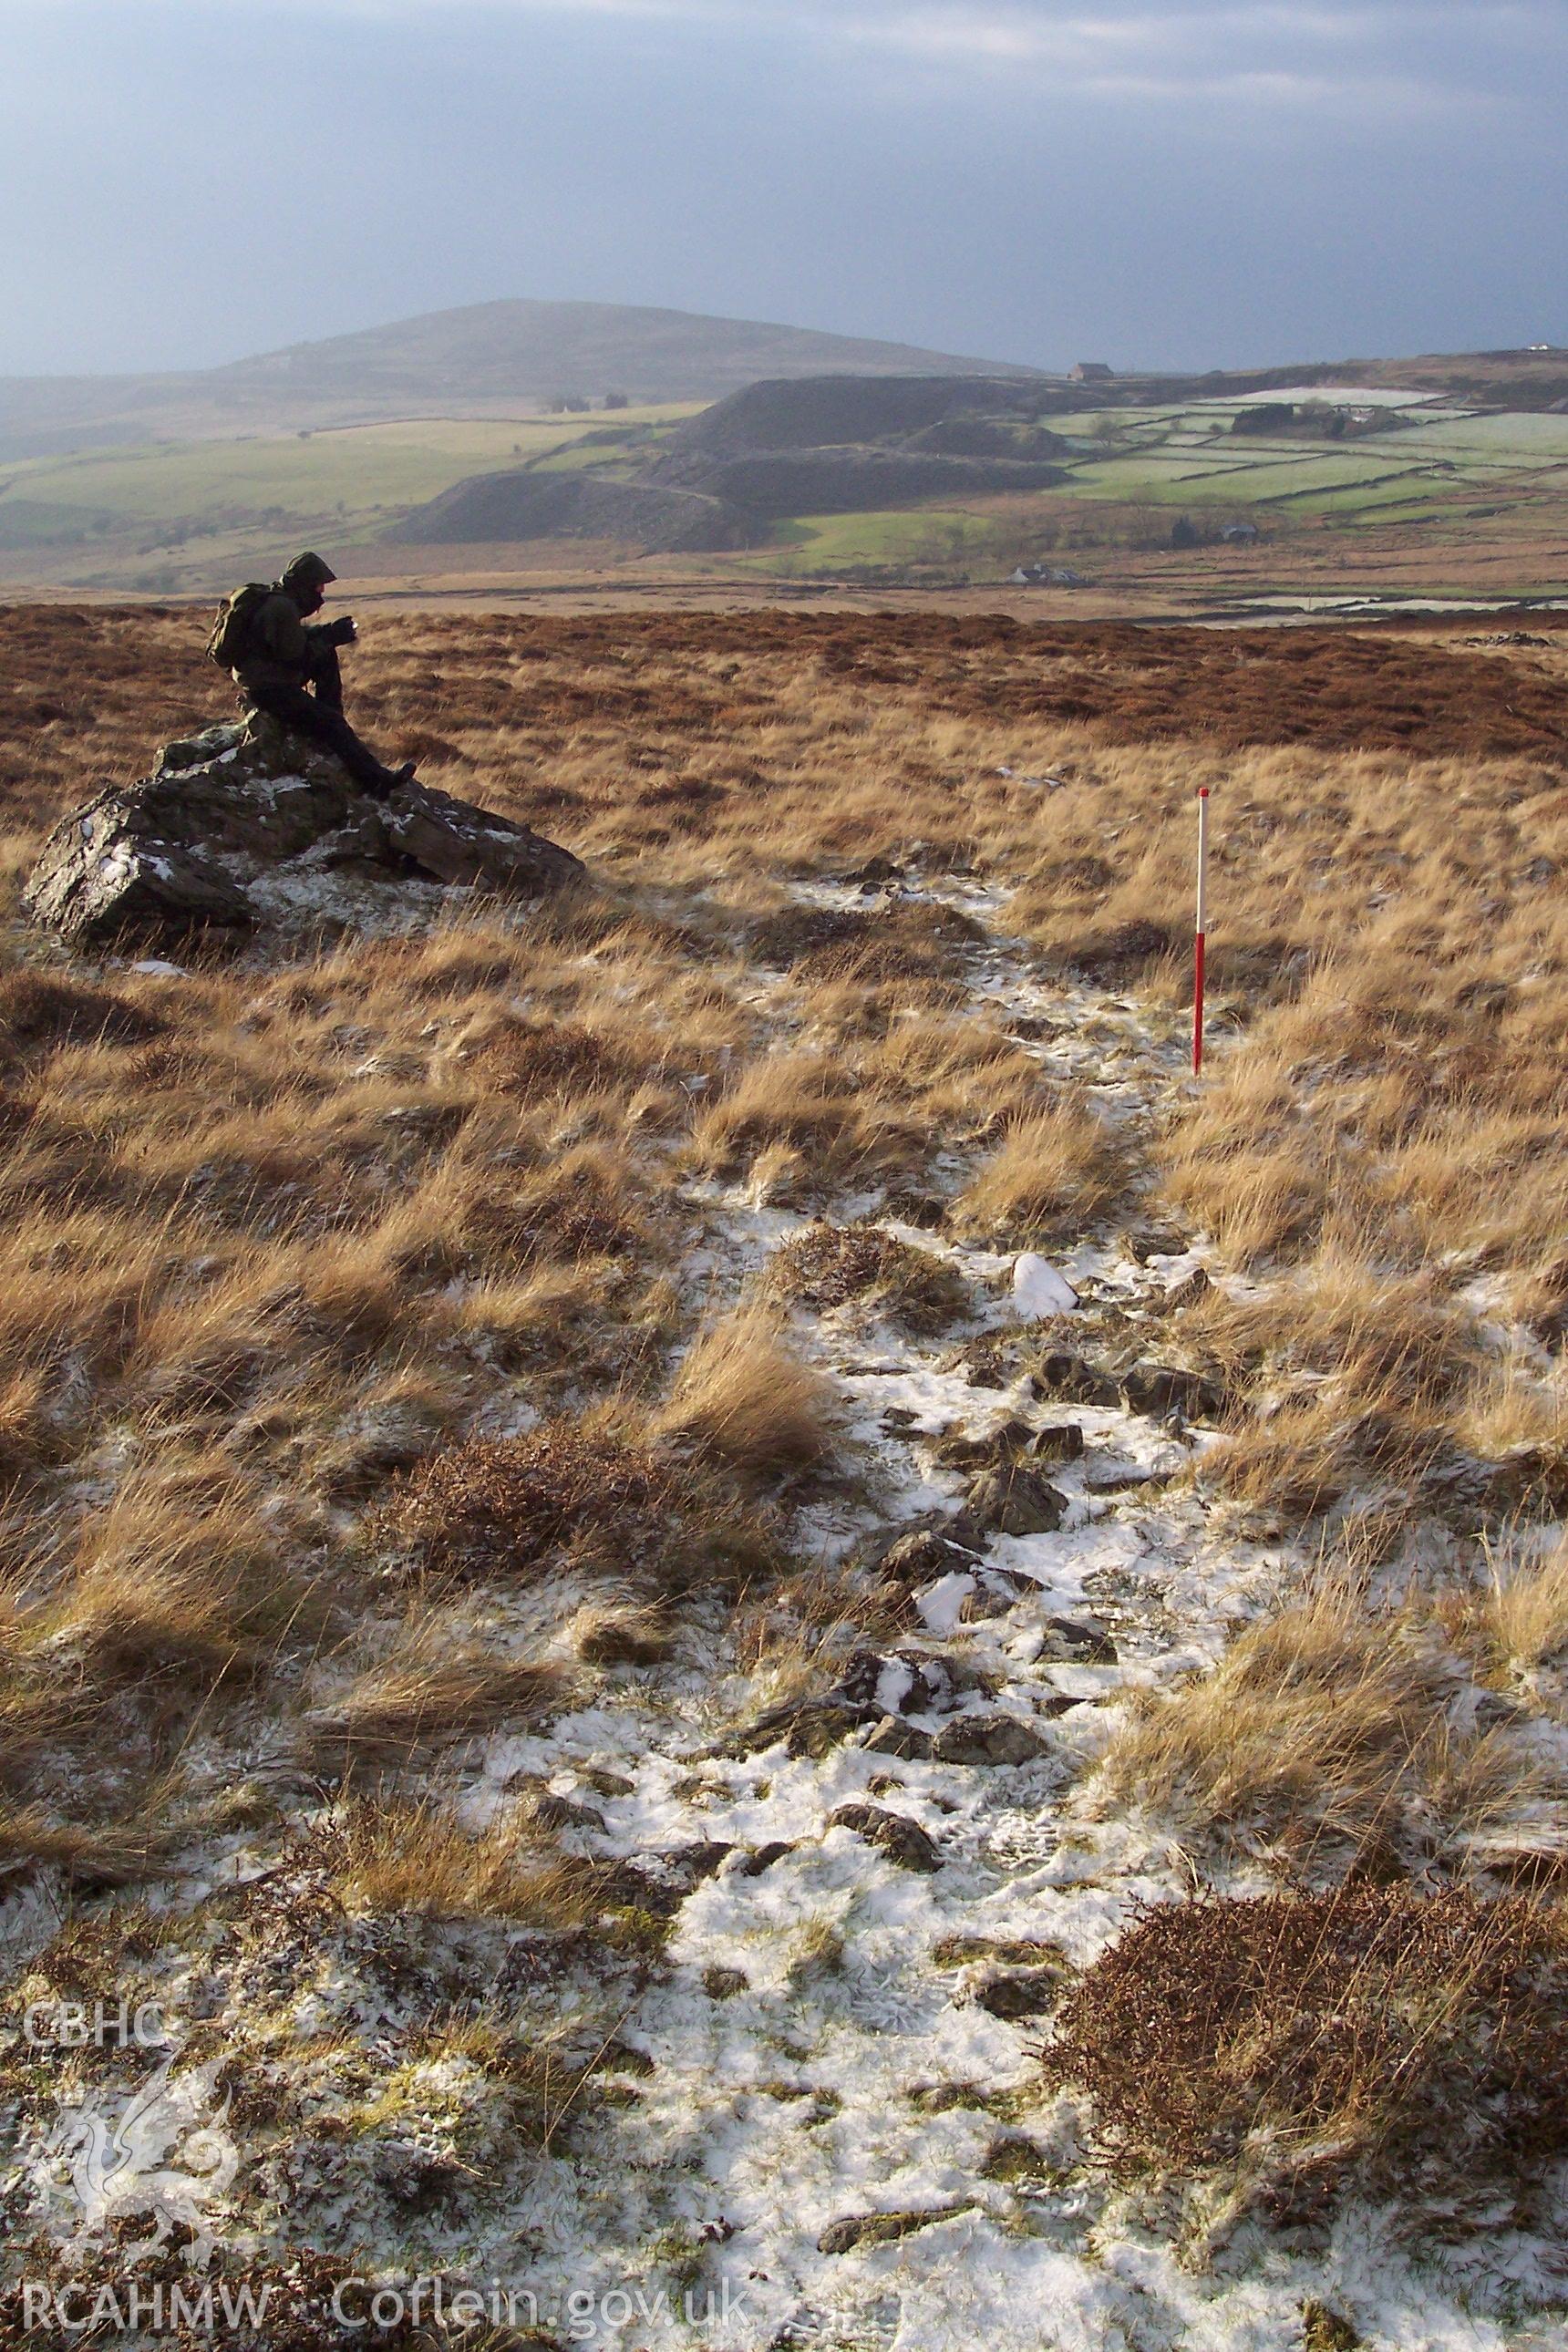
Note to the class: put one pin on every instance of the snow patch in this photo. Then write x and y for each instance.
(1039, 1291)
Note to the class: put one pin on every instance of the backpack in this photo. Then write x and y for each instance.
(230, 639)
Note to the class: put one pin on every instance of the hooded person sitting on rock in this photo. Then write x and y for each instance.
(290, 671)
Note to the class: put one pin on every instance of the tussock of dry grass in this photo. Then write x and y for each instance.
(789, 1098)
(181, 1574)
(40, 1013)
(412, 1859)
(1517, 1621)
(555, 1316)
(539, 1058)
(915, 944)
(1405, 1076)
(427, 1694)
(1394, 1338)
(1322, 1738)
(1358, 1374)
(1298, 1460)
(584, 1202)
(742, 1400)
(1291, 2043)
(622, 1633)
(28, 1440)
(92, 1859)
(1530, 1608)
(963, 1071)
(1059, 1172)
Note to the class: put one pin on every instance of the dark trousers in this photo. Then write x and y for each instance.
(319, 714)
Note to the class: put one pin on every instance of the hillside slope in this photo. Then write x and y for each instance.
(821, 445)
(468, 362)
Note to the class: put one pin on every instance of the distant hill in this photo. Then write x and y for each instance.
(489, 359)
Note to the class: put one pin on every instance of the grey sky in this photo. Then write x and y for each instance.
(188, 181)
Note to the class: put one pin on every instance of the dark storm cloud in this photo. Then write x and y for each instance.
(1178, 184)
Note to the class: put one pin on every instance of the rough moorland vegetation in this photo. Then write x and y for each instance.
(543, 1563)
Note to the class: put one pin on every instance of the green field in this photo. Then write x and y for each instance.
(192, 515)
(202, 507)
(1186, 461)
(887, 535)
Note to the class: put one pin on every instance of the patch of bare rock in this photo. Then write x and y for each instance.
(245, 827)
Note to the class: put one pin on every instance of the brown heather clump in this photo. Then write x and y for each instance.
(495, 1507)
(1291, 2043)
(583, 1490)
(829, 1265)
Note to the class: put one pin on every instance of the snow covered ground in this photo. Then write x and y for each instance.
(825, 2044)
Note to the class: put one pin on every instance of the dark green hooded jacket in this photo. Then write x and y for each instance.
(279, 647)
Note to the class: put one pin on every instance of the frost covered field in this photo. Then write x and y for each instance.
(728, 1627)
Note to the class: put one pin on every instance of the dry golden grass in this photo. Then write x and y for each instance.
(789, 1098)
(744, 1401)
(1359, 1375)
(1516, 1620)
(427, 1693)
(414, 1858)
(181, 1574)
(622, 1631)
(301, 1227)
(1059, 1171)
(1324, 1739)
(1530, 1608)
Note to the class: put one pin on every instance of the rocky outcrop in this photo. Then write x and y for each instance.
(992, 1739)
(896, 1835)
(246, 826)
(1013, 1502)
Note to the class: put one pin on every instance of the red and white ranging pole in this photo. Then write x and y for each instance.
(1200, 942)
